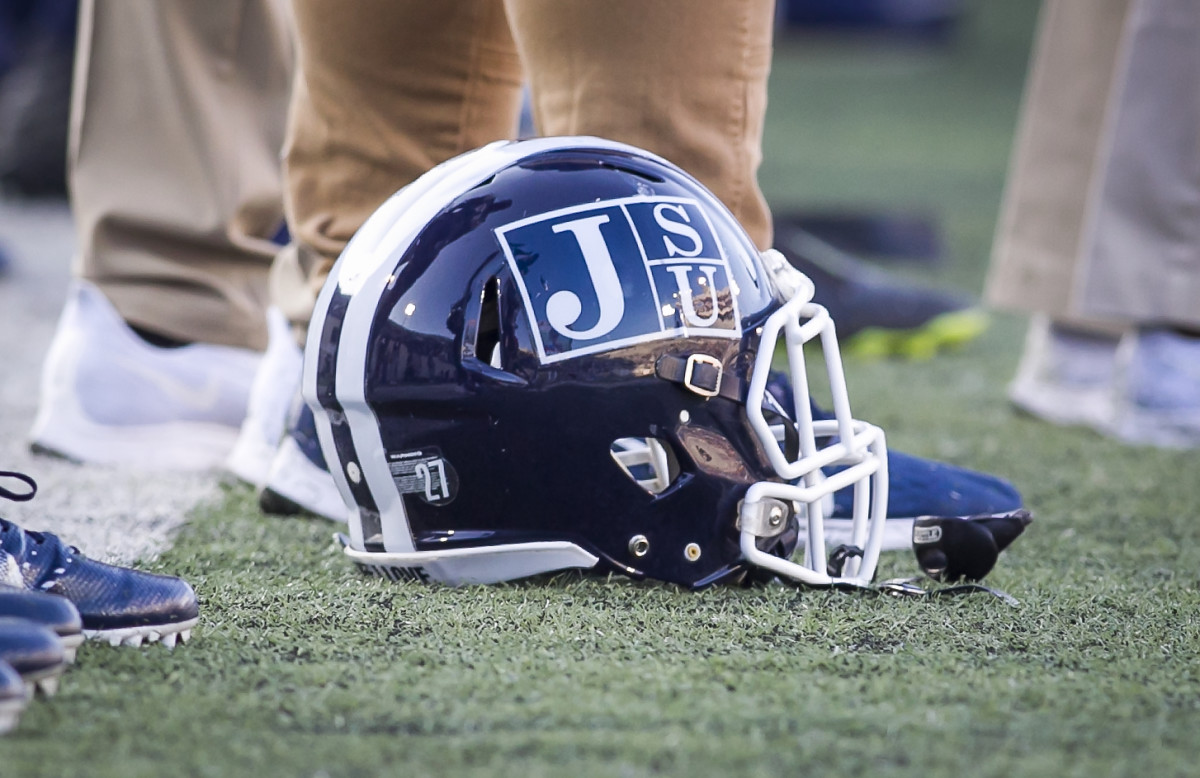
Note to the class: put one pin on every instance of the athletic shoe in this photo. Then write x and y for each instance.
(115, 604)
(55, 613)
(34, 652)
(108, 396)
(874, 316)
(267, 409)
(1159, 397)
(1066, 376)
(916, 487)
(299, 481)
(923, 487)
(12, 697)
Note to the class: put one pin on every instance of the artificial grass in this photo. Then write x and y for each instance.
(303, 667)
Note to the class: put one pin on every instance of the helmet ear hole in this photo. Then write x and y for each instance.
(487, 336)
(649, 462)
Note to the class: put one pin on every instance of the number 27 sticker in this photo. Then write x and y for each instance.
(425, 474)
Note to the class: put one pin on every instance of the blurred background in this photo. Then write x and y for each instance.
(889, 121)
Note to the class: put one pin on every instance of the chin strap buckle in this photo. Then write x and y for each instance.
(839, 557)
(702, 374)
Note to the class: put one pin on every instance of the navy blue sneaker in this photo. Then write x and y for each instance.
(916, 487)
(34, 652)
(115, 604)
(55, 613)
(12, 697)
(923, 487)
(299, 481)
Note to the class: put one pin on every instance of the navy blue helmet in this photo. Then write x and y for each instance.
(554, 354)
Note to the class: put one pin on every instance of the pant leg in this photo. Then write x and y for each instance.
(1054, 162)
(178, 113)
(386, 90)
(687, 81)
(1141, 253)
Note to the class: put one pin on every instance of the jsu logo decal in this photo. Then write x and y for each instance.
(614, 273)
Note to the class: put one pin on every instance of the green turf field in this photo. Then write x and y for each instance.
(302, 667)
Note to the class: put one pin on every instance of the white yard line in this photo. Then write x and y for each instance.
(109, 514)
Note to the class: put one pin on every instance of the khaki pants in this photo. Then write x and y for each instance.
(1100, 224)
(177, 119)
(388, 88)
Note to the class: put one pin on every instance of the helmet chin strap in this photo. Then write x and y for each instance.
(957, 550)
(908, 587)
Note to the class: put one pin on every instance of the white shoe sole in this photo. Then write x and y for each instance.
(167, 634)
(44, 681)
(10, 713)
(297, 480)
(174, 446)
(71, 644)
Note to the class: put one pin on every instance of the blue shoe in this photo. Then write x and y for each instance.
(922, 487)
(34, 652)
(115, 604)
(299, 481)
(916, 487)
(55, 613)
(12, 697)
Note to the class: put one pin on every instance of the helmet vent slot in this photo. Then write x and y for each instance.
(649, 462)
(487, 337)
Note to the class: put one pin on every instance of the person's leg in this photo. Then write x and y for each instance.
(685, 81)
(1054, 158)
(177, 121)
(1140, 257)
(386, 90)
(1068, 365)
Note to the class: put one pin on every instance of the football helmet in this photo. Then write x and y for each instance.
(553, 354)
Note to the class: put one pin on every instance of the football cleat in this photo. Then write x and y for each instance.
(12, 697)
(119, 605)
(110, 397)
(55, 613)
(35, 652)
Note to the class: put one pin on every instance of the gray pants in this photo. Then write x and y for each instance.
(1100, 223)
(178, 116)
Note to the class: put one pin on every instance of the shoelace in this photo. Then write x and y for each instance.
(18, 496)
(7, 527)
